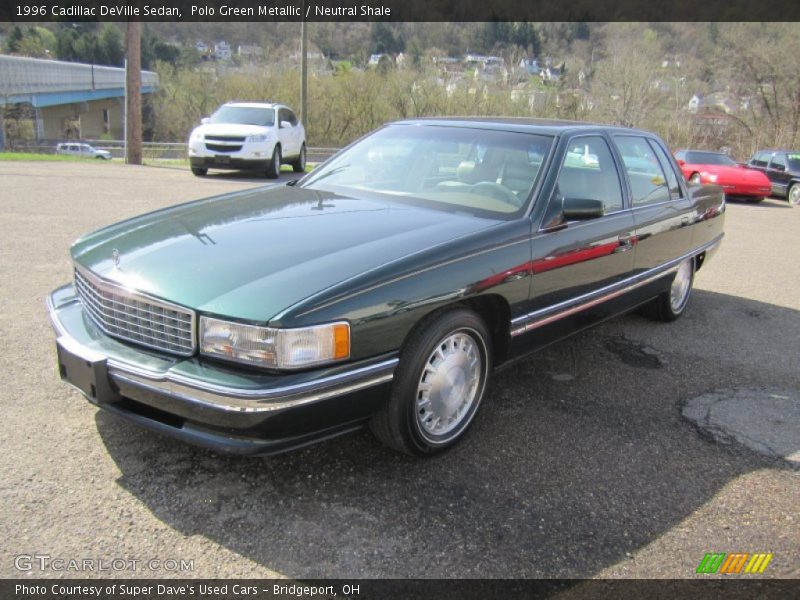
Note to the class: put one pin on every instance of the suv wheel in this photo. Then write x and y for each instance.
(794, 195)
(299, 165)
(438, 385)
(199, 171)
(274, 168)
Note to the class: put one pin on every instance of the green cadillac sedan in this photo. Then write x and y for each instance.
(382, 289)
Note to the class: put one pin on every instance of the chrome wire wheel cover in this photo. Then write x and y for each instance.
(681, 285)
(450, 386)
(794, 195)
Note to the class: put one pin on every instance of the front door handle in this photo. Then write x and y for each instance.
(626, 243)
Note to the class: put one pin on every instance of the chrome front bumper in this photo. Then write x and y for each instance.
(212, 404)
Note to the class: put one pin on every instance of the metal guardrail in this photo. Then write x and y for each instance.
(150, 150)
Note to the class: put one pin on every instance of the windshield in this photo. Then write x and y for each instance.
(449, 168)
(244, 115)
(709, 158)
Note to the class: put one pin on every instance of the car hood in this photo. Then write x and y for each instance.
(231, 129)
(253, 254)
(734, 174)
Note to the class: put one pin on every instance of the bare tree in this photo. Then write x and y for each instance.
(626, 84)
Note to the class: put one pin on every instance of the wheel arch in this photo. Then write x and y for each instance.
(495, 312)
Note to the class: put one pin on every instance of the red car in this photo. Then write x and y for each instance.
(738, 181)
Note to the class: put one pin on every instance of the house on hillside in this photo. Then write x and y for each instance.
(552, 74)
(222, 50)
(250, 51)
(531, 65)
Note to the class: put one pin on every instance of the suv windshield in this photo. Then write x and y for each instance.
(709, 158)
(244, 115)
(448, 168)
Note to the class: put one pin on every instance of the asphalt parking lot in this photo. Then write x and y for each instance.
(580, 464)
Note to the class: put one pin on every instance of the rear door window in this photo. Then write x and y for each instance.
(778, 162)
(647, 179)
(669, 171)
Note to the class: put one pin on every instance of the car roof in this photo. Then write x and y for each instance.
(518, 124)
(256, 104)
(704, 151)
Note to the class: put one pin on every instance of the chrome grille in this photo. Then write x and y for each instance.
(224, 143)
(135, 317)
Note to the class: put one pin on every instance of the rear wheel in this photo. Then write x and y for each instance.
(274, 167)
(670, 304)
(438, 385)
(794, 195)
(299, 165)
(199, 171)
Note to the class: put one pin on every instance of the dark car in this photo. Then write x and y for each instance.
(384, 287)
(782, 167)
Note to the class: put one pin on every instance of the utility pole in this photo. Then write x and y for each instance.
(133, 94)
(304, 69)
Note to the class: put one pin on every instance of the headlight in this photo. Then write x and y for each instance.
(258, 139)
(196, 137)
(275, 348)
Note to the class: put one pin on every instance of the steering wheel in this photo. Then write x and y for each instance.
(497, 191)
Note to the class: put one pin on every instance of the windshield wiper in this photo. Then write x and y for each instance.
(331, 172)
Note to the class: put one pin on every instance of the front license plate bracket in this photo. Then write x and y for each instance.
(87, 371)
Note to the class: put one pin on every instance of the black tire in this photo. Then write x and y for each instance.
(199, 171)
(695, 179)
(274, 167)
(299, 165)
(664, 307)
(402, 424)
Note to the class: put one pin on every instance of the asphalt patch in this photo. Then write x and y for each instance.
(633, 353)
(767, 421)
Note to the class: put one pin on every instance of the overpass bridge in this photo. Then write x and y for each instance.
(69, 100)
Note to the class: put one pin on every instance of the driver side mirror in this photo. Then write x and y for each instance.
(560, 210)
(578, 209)
(205, 121)
(285, 125)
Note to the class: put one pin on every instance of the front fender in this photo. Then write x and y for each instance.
(382, 307)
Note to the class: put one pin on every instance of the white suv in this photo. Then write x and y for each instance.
(249, 136)
(84, 150)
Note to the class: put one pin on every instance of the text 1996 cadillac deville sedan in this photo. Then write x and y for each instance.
(384, 287)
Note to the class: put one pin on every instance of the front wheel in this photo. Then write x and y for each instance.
(438, 385)
(274, 167)
(695, 179)
(794, 195)
(299, 165)
(199, 171)
(671, 304)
